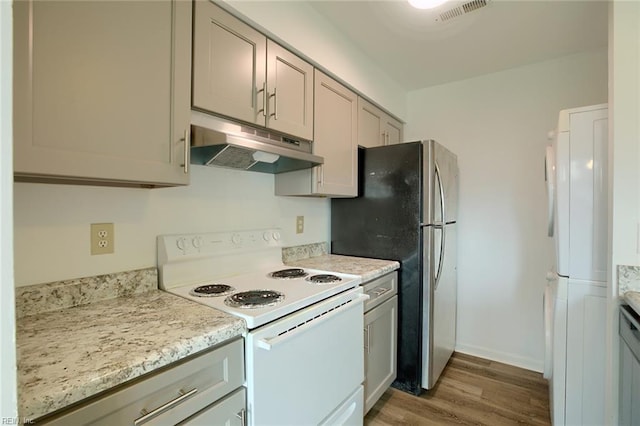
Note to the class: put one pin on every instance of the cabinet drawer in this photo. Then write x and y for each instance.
(206, 378)
(231, 411)
(380, 289)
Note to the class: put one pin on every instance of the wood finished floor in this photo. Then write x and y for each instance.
(470, 391)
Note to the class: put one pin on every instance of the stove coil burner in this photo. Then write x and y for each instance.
(254, 299)
(212, 290)
(323, 279)
(287, 274)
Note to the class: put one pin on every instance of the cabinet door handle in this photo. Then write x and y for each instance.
(275, 103)
(264, 99)
(148, 415)
(367, 345)
(242, 415)
(187, 145)
(380, 291)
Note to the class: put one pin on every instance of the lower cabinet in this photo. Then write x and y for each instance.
(629, 368)
(203, 389)
(230, 411)
(380, 337)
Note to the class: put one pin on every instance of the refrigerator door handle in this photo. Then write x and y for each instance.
(441, 189)
(441, 260)
(440, 226)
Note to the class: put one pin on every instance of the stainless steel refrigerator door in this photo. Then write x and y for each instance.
(440, 182)
(440, 300)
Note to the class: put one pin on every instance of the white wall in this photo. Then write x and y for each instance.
(52, 221)
(8, 397)
(300, 27)
(497, 124)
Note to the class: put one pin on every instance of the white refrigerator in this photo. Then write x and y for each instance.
(575, 296)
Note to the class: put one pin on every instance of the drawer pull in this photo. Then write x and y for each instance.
(379, 292)
(148, 415)
(242, 415)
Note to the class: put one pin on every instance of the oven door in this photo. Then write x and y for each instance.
(302, 368)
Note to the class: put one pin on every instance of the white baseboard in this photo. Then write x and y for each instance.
(506, 358)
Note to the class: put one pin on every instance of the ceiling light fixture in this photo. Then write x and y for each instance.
(426, 4)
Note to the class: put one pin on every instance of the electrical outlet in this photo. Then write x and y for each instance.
(299, 224)
(102, 238)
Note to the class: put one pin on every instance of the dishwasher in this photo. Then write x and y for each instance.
(629, 367)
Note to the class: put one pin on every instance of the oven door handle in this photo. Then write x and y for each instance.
(268, 344)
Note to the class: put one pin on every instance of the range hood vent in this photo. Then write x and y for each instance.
(217, 142)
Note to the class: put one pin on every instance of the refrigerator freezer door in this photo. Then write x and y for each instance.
(383, 222)
(440, 301)
(441, 183)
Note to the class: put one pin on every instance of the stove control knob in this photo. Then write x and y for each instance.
(236, 239)
(197, 242)
(181, 243)
(276, 235)
(266, 236)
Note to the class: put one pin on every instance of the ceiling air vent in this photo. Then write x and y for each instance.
(462, 9)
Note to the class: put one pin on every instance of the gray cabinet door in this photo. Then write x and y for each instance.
(376, 127)
(101, 91)
(229, 63)
(231, 411)
(393, 131)
(290, 91)
(370, 124)
(335, 133)
(335, 137)
(380, 345)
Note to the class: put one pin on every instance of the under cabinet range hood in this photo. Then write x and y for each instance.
(217, 142)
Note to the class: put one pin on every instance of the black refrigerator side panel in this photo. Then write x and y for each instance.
(384, 222)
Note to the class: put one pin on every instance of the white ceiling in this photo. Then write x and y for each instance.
(417, 50)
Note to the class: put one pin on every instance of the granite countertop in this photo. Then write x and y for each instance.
(69, 354)
(368, 269)
(633, 299)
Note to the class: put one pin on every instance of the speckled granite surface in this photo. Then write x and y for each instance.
(291, 254)
(368, 269)
(628, 279)
(633, 299)
(35, 299)
(70, 354)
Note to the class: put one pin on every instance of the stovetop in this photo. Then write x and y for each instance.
(239, 262)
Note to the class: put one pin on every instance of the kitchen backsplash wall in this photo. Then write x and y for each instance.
(628, 278)
(52, 221)
(306, 251)
(39, 298)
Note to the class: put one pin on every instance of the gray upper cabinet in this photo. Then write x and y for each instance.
(376, 127)
(102, 91)
(393, 130)
(239, 73)
(229, 57)
(335, 111)
(290, 92)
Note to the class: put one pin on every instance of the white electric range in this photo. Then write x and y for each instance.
(305, 326)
